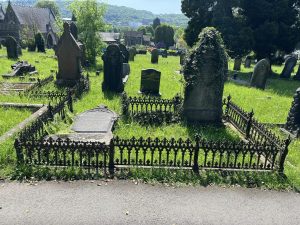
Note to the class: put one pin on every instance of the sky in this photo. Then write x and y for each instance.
(155, 6)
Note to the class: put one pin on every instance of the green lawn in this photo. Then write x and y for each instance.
(270, 106)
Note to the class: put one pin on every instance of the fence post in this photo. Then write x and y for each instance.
(70, 101)
(19, 153)
(283, 153)
(196, 155)
(249, 124)
(111, 165)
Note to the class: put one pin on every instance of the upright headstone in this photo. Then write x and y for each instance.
(204, 75)
(182, 58)
(297, 76)
(154, 56)
(164, 54)
(113, 69)
(69, 54)
(132, 53)
(260, 74)
(293, 120)
(150, 81)
(12, 48)
(290, 63)
(124, 52)
(74, 30)
(248, 62)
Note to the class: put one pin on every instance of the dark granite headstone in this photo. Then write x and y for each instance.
(124, 52)
(204, 73)
(113, 69)
(69, 54)
(290, 63)
(260, 74)
(293, 120)
(12, 48)
(150, 81)
(247, 62)
(154, 56)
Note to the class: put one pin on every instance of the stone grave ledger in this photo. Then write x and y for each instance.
(260, 74)
(150, 81)
(69, 54)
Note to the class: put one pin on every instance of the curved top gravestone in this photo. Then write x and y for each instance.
(260, 74)
(124, 52)
(113, 69)
(290, 63)
(154, 56)
(204, 72)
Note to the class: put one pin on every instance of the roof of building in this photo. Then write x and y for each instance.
(110, 37)
(134, 34)
(34, 16)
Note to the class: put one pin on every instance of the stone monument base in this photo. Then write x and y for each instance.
(66, 83)
(203, 116)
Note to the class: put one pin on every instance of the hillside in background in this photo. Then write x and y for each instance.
(120, 16)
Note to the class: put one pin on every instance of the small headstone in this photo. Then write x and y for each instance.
(12, 48)
(248, 62)
(237, 64)
(293, 120)
(204, 73)
(132, 53)
(124, 52)
(290, 63)
(69, 54)
(150, 81)
(164, 54)
(154, 56)
(126, 69)
(260, 74)
(113, 69)
(182, 58)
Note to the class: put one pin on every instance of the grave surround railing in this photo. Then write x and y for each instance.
(262, 152)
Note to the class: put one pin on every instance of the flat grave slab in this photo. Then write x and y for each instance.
(98, 120)
(6, 88)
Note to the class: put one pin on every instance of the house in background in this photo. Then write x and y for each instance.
(23, 22)
(110, 38)
(133, 38)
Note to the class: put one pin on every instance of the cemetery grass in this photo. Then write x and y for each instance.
(270, 106)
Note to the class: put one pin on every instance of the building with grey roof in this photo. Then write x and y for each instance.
(22, 22)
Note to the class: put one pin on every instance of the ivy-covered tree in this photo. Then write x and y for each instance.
(164, 34)
(156, 23)
(89, 15)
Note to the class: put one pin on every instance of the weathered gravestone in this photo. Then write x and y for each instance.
(124, 52)
(204, 74)
(12, 48)
(248, 62)
(69, 54)
(260, 74)
(290, 63)
(293, 120)
(20, 68)
(113, 69)
(132, 53)
(164, 54)
(154, 56)
(150, 81)
(237, 64)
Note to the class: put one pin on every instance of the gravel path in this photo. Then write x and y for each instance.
(124, 202)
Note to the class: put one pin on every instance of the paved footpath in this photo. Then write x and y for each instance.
(124, 202)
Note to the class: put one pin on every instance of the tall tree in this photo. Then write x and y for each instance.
(165, 34)
(274, 24)
(156, 23)
(49, 4)
(89, 15)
